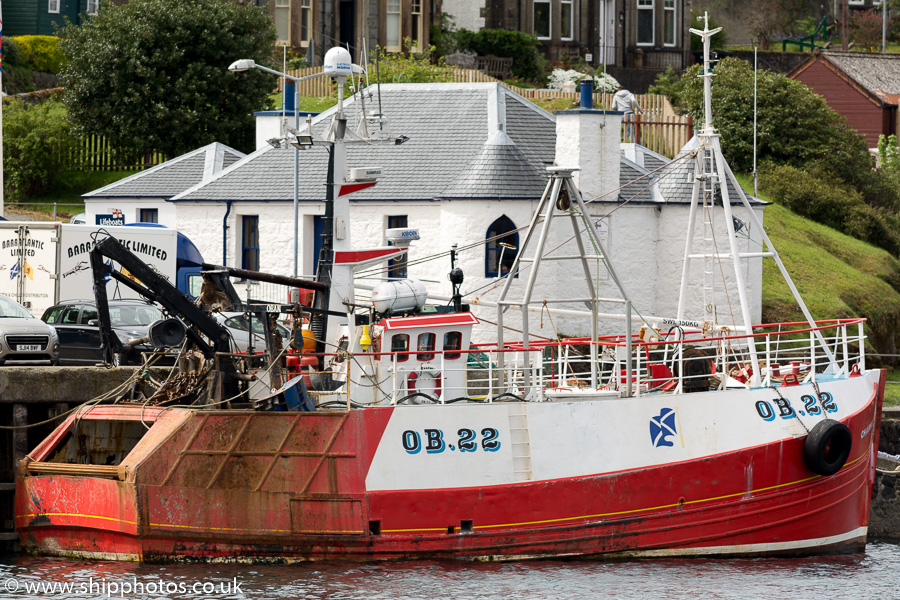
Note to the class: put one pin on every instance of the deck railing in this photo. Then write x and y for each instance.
(672, 362)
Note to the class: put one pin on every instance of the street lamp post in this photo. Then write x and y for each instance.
(247, 64)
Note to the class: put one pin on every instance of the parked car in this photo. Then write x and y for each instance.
(239, 326)
(24, 338)
(78, 327)
(79, 219)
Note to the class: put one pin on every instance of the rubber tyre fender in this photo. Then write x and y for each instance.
(827, 447)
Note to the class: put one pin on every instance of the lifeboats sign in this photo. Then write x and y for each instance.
(116, 217)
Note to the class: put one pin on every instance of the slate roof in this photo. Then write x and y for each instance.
(447, 126)
(878, 73)
(635, 191)
(173, 176)
(500, 171)
(676, 181)
(479, 141)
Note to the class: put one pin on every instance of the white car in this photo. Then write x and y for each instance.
(239, 327)
(24, 338)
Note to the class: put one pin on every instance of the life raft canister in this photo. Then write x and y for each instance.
(423, 376)
(827, 447)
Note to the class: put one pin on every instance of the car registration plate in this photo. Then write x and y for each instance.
(28, 347)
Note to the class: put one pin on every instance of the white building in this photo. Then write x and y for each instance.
(474, 168)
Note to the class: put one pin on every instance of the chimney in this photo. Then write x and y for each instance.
(589, 139)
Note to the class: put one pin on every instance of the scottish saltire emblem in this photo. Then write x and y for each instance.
(662, 427)
(14, 271)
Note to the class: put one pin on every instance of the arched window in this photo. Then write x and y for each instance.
(502, 247)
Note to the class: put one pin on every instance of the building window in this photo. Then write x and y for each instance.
(93, 6)
(669, 24)
(397, 266)
(392, 41)
(645, 16)
(452, 345)
(418, 34)
(283, 21)
(53, 7)
(250, 243)
(502, 247)
(149, 215)
(565, 19)
(542, 20)
(306, 26)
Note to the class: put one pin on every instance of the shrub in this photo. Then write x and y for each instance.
(671, 85)
(408, 66)
(865, 28)
(831, 203)
(523, 47)
(11, 54)
(34, 138)
(39, 52)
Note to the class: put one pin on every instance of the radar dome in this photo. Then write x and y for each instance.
(338, 63)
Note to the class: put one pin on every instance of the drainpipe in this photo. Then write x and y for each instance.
(225, 233)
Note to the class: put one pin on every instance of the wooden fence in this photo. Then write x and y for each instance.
(96, 153)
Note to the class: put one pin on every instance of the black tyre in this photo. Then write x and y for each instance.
(827, 447)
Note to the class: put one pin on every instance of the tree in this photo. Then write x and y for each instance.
(153, 74)
(795, 126)
(36, 139)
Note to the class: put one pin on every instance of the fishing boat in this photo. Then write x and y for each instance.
(393, 436)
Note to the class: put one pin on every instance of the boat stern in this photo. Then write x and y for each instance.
(76, 494)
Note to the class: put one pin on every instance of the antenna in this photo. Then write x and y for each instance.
(705, 35)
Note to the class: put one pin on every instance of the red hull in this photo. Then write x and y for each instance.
(186, 503)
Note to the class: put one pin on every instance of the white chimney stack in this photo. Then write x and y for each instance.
(590, 140)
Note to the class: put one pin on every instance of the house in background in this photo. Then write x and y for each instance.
(42, 17)
(329, 23)
(141, 198)
(634, 39)
(864, 88)
(471, 173)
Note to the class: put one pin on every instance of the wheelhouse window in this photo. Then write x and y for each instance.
(400, 346)
(542, 20)
(669, 23)
(645, 18)
(566, 21)
(425, 346)
(392, 23)
(250, 243)
(502, 247)
(452, 345)
(283, 22)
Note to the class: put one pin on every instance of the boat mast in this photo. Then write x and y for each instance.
(710, 167)
(561, 199)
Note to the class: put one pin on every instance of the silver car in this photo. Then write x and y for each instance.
(24, 338)
(239, 327)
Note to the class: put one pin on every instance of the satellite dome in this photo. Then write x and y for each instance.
(338, 63)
